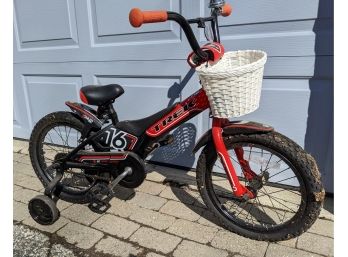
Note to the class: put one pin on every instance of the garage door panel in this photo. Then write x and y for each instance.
(47, 93)
(107, 23)
(41, 24)
(283, 105)
(16, 114)
(281, 39)
(113, 38)
(251, 11)
(300, 66)
(143, 96)
(108, 35)
(281, 28)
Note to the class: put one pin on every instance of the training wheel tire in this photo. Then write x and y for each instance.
(43, 210)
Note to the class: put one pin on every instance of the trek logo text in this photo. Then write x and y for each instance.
(176, 115)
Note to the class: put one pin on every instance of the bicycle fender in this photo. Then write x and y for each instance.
(85, 113)
(234, 128)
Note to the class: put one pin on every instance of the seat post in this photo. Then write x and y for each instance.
(113, 114)
(108, 111)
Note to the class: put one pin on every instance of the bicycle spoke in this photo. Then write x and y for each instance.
(279, 202)
(272, 206)
(51, 148)
(236, 161)
(261, 158)
(268, 162)
(282, 190)
(285, 200)
(264, 212)
(253, 151)
(50, 137)
(59, 135)
(66, 143)
(251, 206)
(219, 167)
(284, 179)
(279, 172)
(250, 153)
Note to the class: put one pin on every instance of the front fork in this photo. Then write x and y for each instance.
(238, 189)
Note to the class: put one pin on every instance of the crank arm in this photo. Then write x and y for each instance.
(126, 172)
(238, 189)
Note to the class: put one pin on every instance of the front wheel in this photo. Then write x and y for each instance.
(289, 192)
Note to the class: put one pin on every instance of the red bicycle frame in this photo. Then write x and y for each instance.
(189, 108)
(238, 189)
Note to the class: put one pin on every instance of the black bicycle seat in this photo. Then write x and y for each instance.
(100, 95)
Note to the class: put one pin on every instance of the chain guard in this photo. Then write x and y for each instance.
(138, 171)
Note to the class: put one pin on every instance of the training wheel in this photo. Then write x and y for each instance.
(43, 210)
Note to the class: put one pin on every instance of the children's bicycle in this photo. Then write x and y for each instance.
(256, 181)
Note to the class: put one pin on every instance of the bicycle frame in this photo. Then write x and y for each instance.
(181, 112)
(186, 110)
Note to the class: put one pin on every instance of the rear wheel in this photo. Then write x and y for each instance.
(289, 193)
(52, 138)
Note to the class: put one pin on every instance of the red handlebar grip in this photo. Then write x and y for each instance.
(226, 10)
(138, 17)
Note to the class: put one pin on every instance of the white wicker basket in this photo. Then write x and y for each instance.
(233, 85)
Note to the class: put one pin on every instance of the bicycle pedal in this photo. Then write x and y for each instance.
(99, 206)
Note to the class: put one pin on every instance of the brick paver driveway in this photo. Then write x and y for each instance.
(163, 217)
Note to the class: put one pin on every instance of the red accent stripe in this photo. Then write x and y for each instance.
(83, 97)
(102, 157)
(133, 139)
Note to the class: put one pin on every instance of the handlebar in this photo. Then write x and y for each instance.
(138, 17)
(226, 10)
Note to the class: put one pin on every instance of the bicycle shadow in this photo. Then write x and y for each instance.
(319, 131)
(190, 200)
(174, 92)
(184, 187)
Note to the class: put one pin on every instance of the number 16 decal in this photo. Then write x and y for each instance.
(119, 140)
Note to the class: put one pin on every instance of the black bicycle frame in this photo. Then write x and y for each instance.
(182, 112)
